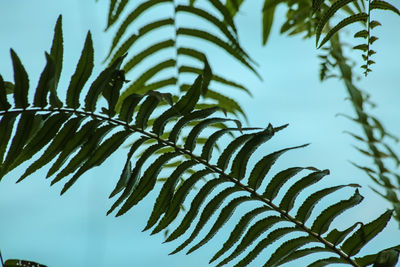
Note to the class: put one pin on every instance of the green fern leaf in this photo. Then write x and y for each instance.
(287, 248)
(73, 144)
(239, 230)
(267, 20)
(102, 81)
(212, 20)
(111, 92)
(137, 86)
(27, 126)
(82, 73)
(379, 4)
(101, 153)
(278, 181)
(21, 82)
(165, 196)
(127, 170)
(179, 198)
(328, 15)
(130, 19)
(6, 127)
(194, 70)
(148, 107)
(211, 141)
(185, 105)
(361, 34)
(195, 132)
(345, 22)
(365, 233)
(115, 11)
(308, 205)
(134, 177)
(44, 135)
(225, 13)
(228, 104)
(55, 147)
(227, 154)
(84, 153)
(146, 52)
(206, 36)
(126, 45)
(4, 105)
(195, 115)
(272, 237)
(147, 182)
(325, 218)
(128, 107)
(46, 81)
(302, 253)
(56, 53)
(239, 164)
(252, 234)
(194, 207)
(336, 237)
(292, 193)
(263, 166)
(327, 261)
(223, 217)
(316, 5)
(208, 211)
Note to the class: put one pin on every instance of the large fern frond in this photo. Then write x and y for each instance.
(95, 133)
(179, 57)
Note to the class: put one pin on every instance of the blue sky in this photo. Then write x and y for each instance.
(72, 230)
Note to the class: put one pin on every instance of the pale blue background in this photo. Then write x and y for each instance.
(37, 224)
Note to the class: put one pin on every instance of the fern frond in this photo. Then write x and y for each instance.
(98, 133)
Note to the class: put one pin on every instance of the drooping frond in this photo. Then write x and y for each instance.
(83, 138)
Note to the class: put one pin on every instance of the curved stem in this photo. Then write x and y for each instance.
(214, 168)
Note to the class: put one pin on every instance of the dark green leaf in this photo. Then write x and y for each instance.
(239, 230)
(362, 236)
(4, 105)
(264, 243)
(195, 115)
(6, 127)
(21, 82)
(324, 220)
(291, 195)
(164, 199)
(336, 237)
(263, 166)
(43, 136)
(239, 164)
(85, 153)
(252, 234)
(56, 146)
(146, 109)
(288, 248)
(56, 53)
(127, 170)
(179, 198)
(102, 81)
(195, 207)
(208, 211)
(308, 205)
(82, 73)
(223, 217)
(147, 182)
(77, 140)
